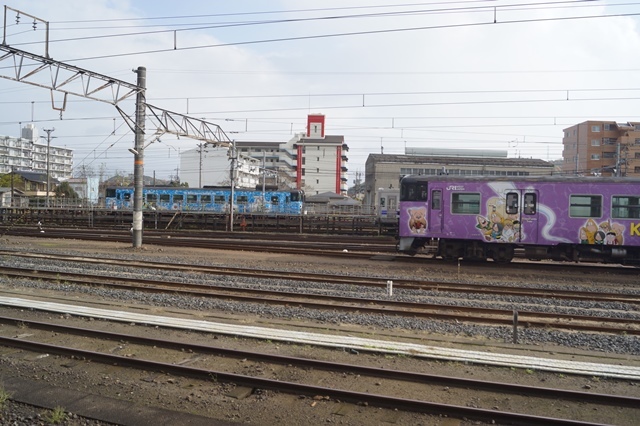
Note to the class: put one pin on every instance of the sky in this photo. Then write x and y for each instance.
(388, 75)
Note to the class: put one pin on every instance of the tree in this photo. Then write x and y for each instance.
(65, 190)
(5, 181)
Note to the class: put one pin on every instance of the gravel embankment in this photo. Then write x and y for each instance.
(620, 344)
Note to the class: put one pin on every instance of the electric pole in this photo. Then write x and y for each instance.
(234, 158)
(48, 175)
(138, 152)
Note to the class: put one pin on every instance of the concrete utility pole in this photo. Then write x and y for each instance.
(48, 175)
(138, 163)
(200, 147)
(12, 188)
(234, 158)
(264, 177)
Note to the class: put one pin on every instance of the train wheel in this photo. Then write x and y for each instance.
(502, 254)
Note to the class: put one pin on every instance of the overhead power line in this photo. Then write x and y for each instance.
(510, 7)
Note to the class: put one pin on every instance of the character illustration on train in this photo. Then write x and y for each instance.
(544, 217)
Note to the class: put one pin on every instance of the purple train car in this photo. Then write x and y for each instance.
(551, 217)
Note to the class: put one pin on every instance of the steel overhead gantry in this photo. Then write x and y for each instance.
(43, 71)
(168, 122)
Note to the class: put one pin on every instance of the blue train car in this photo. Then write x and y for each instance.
(550, 217)
(215, 199)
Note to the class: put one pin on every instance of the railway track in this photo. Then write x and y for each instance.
(363, 305)
(352, 247)
(382, 387)
(399, 283)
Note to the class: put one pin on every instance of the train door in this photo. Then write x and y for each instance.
(435, 211)
(392, 206)
(521, 221)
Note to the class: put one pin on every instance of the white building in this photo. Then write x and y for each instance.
(209, 166)
(312, 161)
(86, 188)
(29, 152)
(320, 160)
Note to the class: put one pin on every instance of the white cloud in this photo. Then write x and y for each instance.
(566, 56)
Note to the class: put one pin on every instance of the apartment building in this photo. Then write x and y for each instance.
(602, 148)
(30, 153)
(319, 161)
(311, 161)
(384, 171)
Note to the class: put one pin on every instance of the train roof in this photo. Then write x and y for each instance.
(533, 179)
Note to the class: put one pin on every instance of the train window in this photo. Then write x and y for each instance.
(126, 196)
(625, 207)
(585, 206)
(178, 198)
(512, 203)
(219, 199)
(110, 193)
(436, 199)
(415, 191)
(205, 198)
(382, 202)
(243, 199)
(275, 199)
(530, 203)
(152, 198)
(465, 203)
(192, 198)
(295, 196)
(165, 198)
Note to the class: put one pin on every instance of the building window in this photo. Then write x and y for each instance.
(608, 155)
(317, 170)
(607, 126)
(317, 181)
(595, 128)
(595, 142)
(318, 158)
(595, 156)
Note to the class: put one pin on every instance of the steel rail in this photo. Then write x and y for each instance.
(440, 286)
(295, 388)
(349, 304)
(617, 400)
(338, 252)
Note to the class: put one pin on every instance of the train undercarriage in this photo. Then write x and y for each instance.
(476, 250)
